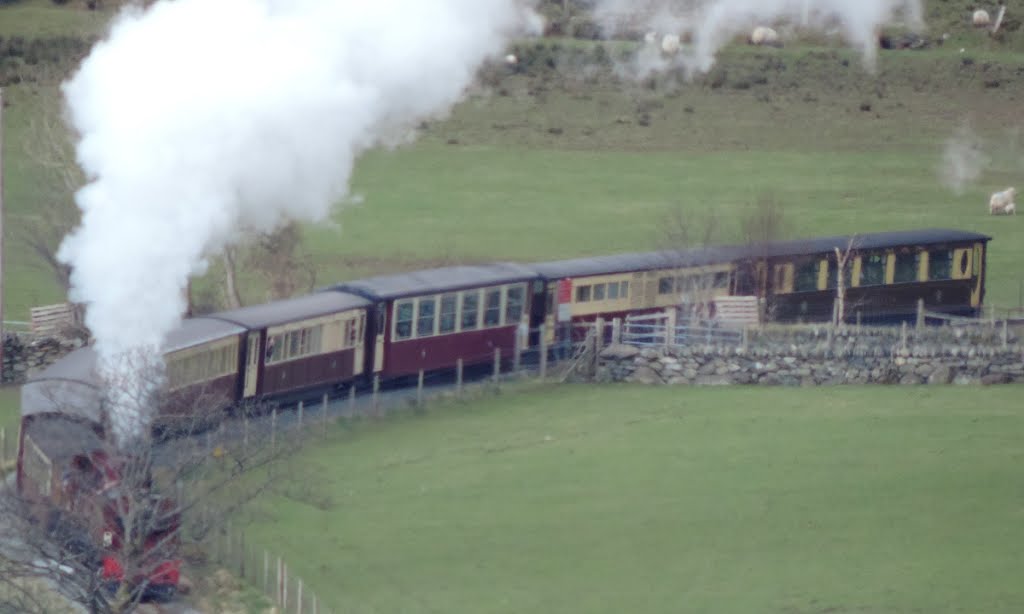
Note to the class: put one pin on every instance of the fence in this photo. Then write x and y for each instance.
(8, 451)
(660, 329)
(265, 571)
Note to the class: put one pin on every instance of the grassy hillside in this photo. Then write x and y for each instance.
(611, 499)
(564, 157)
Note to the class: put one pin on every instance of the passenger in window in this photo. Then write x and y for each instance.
(271, 346)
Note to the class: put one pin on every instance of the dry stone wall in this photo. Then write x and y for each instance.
(26, 354)
(815, 357)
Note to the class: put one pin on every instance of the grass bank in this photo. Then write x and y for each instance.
(610, 499)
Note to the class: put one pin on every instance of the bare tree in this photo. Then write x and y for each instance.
(278, 257)
(763, 224)
(105, 521)
(842, 261)
(49, 145)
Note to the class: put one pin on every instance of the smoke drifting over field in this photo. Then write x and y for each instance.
(197, 117)
(963, 160)
(711, 24)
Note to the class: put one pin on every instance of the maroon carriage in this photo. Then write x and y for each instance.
(297, 347)
(429, 320)
(202, 377)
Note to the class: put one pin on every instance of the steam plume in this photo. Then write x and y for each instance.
(198, 116)
(711, 24)
(963, 159)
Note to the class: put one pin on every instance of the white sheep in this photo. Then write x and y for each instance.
(763, 35)
(670, 44)
(981, 19)
(1002, 202)
(651, 38)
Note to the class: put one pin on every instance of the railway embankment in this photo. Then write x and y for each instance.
(810, 356)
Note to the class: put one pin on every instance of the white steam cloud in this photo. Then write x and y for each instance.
(712, 24)
(963, 160)
(197, 117)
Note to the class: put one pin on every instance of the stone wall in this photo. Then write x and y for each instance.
(26, 354)
(821, 356)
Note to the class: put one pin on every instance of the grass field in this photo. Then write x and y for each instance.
(621, 498)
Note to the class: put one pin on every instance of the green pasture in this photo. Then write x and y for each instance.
(628, 498)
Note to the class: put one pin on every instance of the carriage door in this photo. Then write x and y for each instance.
(378, 346)
(977, 271)
(252, 364)
(360, 343)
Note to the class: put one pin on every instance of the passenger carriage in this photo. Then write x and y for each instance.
(299, 346)
(202, 378)
(429, 320)
(582, 290)
(886, 275)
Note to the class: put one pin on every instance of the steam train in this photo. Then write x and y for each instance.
(393, 326)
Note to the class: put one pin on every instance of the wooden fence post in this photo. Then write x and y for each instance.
(376, 394)
(458, 378)
(273, 428)
(245, 432)
(616, 330)
(279, 591)
(543, 337)
(352, 400)
(241, 557)
(284, 586)
(3, 445)
(323, 409)
(419, 389)
(1005, 335)
(302, 408)
(903, 335)
(497, 365)
(599, 339)
(298, 598)
(517, 349)
(266, 572)
(920, 313)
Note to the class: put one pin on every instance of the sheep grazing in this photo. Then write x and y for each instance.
(651, 38)
(670, 44)
(763, 35)
(1002, 202)
(981, 19)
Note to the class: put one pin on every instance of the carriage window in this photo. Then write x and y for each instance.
(833, 268)
(666, 285)
(940, 264)
(721, 279)
(964, 264)
(403, 319)
(447, 320)
(613, 290)
(582, 294)
(906, 267)
(425, 317)
(872, 270)
(623, 289)
(492, 307)
(599, 290)
(514, 305)
(470, 307)
(316, 336)
(275, 349)
(806, 277)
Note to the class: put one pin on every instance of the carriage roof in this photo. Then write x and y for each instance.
(705, 256)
